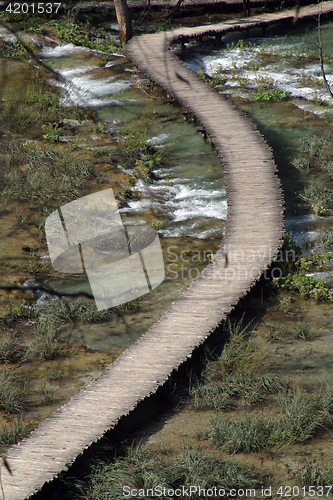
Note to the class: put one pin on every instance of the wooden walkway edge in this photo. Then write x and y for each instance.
(253, 236)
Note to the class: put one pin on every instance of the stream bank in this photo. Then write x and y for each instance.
(289, 339)
(297, 313)
(130, 135)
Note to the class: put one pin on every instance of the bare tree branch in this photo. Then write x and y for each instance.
(321, 57)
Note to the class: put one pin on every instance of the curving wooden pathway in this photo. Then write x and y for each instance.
(253, 236)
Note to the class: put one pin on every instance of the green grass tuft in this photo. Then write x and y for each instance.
(12, 390)
(248, 434)
(305, 416)
(40, 175)
(11, 434)
(304, 330)
(313, 475)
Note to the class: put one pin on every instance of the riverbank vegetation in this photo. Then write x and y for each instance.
(260, 400)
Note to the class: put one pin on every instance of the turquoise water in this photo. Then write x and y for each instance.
(286, 59)
(188, 191)
(189, 188)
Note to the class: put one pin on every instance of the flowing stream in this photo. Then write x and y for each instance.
(286, 60)
(188, 189)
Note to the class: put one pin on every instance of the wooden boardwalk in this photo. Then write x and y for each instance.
(253, 235)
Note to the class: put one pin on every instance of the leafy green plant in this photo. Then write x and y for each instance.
(202, 74)
(275, 334)
(328, 117)
(306, 286)
(145, 165)
(319, 102)
(218, 77)
(263, 81)
(51, 132)
(251, 66)
(81, 34)
(271, 95)
(157, 224)
(126, 191)
(284, 304)
(13, 50)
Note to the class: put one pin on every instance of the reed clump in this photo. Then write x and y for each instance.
(40, 175)
(142, 469)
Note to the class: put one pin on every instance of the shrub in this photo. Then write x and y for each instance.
(327, 239)
(13, 49)
(81, 34)
(315, 151)
(306, 286)
(218, 78)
